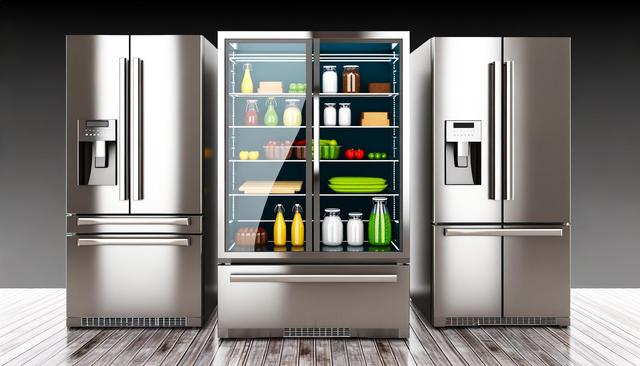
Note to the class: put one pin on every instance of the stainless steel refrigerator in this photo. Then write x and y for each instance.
(272, 286)
(140, 135)
(493, 191)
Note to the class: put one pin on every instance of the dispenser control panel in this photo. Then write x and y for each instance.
(463, 131)
(97, 130)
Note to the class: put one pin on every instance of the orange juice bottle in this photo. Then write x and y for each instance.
(279, 227)
(297, 226)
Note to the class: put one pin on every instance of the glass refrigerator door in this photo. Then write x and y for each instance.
(359, 129)
(268, 169)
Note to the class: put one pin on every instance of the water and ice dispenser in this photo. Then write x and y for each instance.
(97, 152)
(462, 152)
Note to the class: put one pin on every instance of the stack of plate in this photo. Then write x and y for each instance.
(357, 184)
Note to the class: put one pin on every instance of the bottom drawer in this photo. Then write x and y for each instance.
(134, 280)
(313, 301)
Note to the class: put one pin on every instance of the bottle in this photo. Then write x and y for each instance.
(379, 223)
(344, 114)
(355, 229)
(251, 113)
(292, 115)
(332, 227)
(271, 116)
(279, 227)
(297, 226)
(247, 83)
(329, 79)
(329, 114)
(351, 79)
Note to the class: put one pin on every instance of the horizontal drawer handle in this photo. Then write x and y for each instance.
(182, 221)
(92, 242)
(314, 278)
(503, 232)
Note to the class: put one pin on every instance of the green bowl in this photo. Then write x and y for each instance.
(329, 152)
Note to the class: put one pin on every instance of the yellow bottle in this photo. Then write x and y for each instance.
(279, 227)
(297, 226)
(247, 83)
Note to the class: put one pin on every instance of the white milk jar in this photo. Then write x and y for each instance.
(330, 79)
(331, 227)
(330, 114)
(355, 229)
(344, 115)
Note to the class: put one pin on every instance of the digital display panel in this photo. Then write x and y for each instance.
(97, 123)
(463, 125)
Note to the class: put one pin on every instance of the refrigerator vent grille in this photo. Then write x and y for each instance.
(134, 322)
(514, 320)
(317, 332)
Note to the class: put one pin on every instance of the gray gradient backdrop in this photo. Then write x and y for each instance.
(606, 113)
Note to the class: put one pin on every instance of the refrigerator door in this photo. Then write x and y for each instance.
(467, 273)
(137, 276)
(466, 82)
(537, 272)
(166, 115)
(537, 123)
(96, 95)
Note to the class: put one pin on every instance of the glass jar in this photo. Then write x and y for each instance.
(247, 83)
(351, 79)
(251, 113)
(332, 227)
(271, 116)
(329, 79)
(355, 229)
(329, 114)
(344, 114)
(379, 223)
(292, 115)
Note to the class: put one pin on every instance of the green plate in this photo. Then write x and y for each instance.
(357, 189)
(357, 180)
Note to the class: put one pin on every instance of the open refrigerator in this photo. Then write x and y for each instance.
(290, 264)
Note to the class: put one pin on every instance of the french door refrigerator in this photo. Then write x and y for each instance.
(498, 112)
(139, 138)
(299, 114)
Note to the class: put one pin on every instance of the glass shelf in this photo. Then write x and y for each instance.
(359, 126)
(359, 161)
(358, 95)
(258, 95)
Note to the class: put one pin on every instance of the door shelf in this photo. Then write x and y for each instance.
(359, 161)
(359, 126)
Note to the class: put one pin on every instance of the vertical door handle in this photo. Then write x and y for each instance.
(509, 131)
(136, 128)
(495, 156)
(122, 127)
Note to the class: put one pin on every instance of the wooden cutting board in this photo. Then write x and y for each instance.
(267, 187)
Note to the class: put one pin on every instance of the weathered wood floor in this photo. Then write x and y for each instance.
(605, 331)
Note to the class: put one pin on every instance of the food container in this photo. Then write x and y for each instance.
(379, 87)
(351, 79)
(375, 119)
(249, 236)
(329, 152)
(299, 152)
(277, 152)
(344, 114)
(329, 114)
(329, 79)
(270, 87)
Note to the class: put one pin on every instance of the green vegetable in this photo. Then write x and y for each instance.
(357, 180)
(378, 155)
(383, 155)
(371, 156)
(333, 142)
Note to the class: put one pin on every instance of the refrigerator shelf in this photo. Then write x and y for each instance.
(359, 126)
(359, 161)
(266, 195)
(267, 161)
(276, 95)
(267, 127)
(359, 195)
(358, 95)
(241, 221)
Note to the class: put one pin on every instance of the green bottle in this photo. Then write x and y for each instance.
(379, 223)
(271, 116)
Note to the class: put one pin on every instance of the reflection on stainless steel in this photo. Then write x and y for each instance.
(137, 246)
(293, 58)
(498, 249)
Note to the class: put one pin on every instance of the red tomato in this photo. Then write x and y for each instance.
(359, 154)
(350, 154)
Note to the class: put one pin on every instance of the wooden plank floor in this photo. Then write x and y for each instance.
(605, 331)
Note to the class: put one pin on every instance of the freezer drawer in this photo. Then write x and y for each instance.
(313, 301)
(134, 224)
(537, 274)
(113, 277)
(467, 275)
